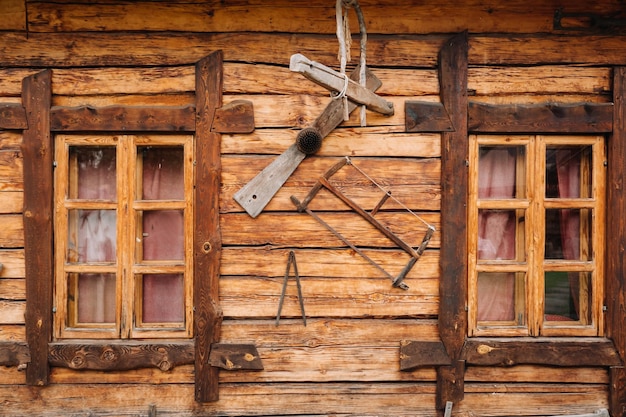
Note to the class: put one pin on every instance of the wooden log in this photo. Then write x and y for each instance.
(12, 202)
(112, 356)
(541, 118)
(11, 170)
(13, 231)
(12, 312)
(13, 263)
(426, 117)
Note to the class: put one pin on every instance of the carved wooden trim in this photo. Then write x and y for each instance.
(38, 153)
(207, 241)
(453, 70)
(120, 356)
(540, 351)
(12, 116)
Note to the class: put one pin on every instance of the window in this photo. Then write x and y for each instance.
(123, 236)
(535, 227)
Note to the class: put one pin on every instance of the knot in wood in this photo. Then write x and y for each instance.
(165, 365)
(78, 361)
(309, 140)
(108, 355)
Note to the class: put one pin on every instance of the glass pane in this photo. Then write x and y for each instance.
(568, 234)
(162, 173)
(92, 298)
(92, 173)
(162, 235)
(568, 171)
(163, 298)
(501, 172)
(91, 236)
(568, 296)
(498, 233)
(501, 297)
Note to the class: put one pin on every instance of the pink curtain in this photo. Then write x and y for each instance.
(496, 234)
(163, 234)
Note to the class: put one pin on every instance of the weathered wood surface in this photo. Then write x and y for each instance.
(14, 354)
(235, 356)
(120, 356)
(13, 231)
(418, 354)
(11, 170)
(12, 116)
(303, 16)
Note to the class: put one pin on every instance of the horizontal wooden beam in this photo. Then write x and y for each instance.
(596, 118)
(234, 117)
(541, 118)
(235, 356)
(416, 354)
(123, 119)
(14, 353)
(545, 351)
(113, 356)
(12, 116)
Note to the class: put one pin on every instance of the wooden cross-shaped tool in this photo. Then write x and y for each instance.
(257, 193)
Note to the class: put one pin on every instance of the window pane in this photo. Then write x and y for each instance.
(92, 173)
(497, 235)
(568, 296)
(501, 297)
(94, 298)
(162, 173)
(162, 235)
(91, 236)
(163, 298)
(568, 172)
(568, 234)
(501, 172)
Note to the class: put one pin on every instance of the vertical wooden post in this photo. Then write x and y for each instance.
(616, 242)
(453, 69)
(38, 153)
(207, 242)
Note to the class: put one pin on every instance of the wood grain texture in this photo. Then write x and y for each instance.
(12, 116)
(38, 151)
(14, 354)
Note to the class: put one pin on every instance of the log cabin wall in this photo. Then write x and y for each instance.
(346, 360)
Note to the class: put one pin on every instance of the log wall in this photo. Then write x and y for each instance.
(346, 360)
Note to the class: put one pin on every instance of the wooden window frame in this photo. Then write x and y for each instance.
(456, 117)
(38, 152)
(530, 205)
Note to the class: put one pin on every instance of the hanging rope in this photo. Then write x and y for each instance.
(344, 37)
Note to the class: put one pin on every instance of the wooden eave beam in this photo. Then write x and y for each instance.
(570, 352)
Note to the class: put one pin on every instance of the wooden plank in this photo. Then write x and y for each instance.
(417, 354)
(11, 170)
(12, 116)
(546, 351)
(113, 356)
(235, 117)
(231, 356)
(207, 240)
(12, 261)
(426, 117)
(38, 152)
(10, 140)
(541, 118)
(14, 354)
(537, 374)
(127, 118)
(454, 153)
(12, 202)
(616, 240)
(12, 312)
(13, 15)
(12, 289)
